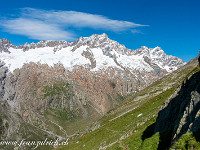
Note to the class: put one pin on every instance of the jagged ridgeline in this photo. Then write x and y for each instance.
(162, 116)
(57, 89)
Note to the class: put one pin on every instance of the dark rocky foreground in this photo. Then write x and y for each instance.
(181, 113)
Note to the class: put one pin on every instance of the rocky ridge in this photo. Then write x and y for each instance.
(181, 111)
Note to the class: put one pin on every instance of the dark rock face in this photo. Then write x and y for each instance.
(88, 54)
(181, 113)
(157, 70)
(5, 45)
(56, 44)
(3, 71)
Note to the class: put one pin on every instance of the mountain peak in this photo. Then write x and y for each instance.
(5, 40)
(103, 35)
(144, 47)
(158, 48)
(97, 51)
(5, 44)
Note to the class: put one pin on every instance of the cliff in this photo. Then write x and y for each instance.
(181, 112)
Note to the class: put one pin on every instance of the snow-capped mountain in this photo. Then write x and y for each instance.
(95, 52)
(82, 80)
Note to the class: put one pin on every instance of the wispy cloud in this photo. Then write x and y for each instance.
(136, 31)
(36, 29)
(54, 25)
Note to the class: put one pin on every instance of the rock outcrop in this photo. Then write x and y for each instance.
(181, 113)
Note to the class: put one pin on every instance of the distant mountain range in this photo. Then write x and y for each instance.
(61, 88)
(95, 52)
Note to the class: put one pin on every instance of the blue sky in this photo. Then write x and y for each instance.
(173, 25)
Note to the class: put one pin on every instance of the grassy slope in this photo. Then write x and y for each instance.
(187, 141)
(62, 121)
(122, 128)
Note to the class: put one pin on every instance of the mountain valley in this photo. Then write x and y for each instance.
(62, 90)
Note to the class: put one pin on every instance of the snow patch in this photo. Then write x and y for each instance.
(17, 58)
(139, 115)
(102, 61)
(134, 62)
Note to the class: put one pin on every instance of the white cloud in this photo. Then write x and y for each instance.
(79, 19)
(54, 25)
(136, 31)
(36, 29)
